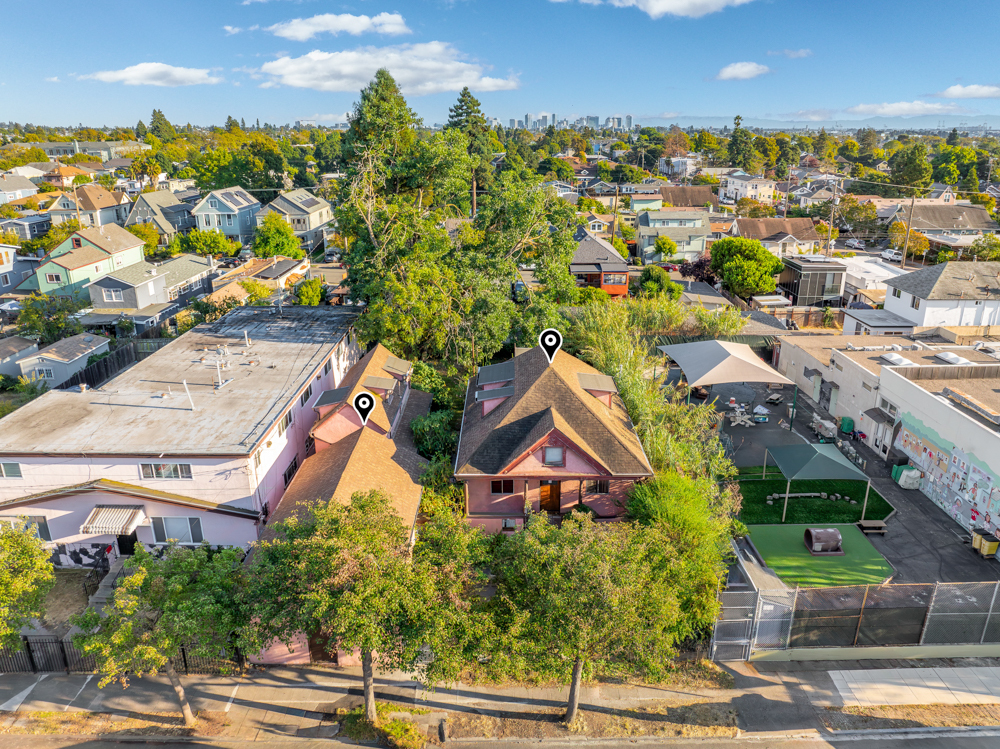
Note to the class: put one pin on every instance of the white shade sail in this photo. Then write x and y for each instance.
(717, 362)
(113, 520)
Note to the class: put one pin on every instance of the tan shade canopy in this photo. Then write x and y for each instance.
(716, 362)
(113, 520)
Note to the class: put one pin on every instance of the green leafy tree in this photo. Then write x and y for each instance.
(257, 293)
(705, 142)
(750, 208)
(435, 435)
(148, 234)
(160, 126)
(49, 318)
(107, 181)
(7, 211)
(10, 237)
(970, 182)
(742, 153)
(274, 237)
(208, 242)
(745, 266)
(665, 246)
(561, 169)
(346, 572)
(867, 141)
(382, 125)
(986, 247)
(186, 598)
(140, 130)
(81, 179)
(655, 281)
(310, 292)
(948, 174)
(910, 167)
(627, 173)
(583, 596)
(26, 577)
(953, 138)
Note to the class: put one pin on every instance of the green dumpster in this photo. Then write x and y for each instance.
(847, 425)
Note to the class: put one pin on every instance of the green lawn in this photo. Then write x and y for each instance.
(756, 511)
(785, 552)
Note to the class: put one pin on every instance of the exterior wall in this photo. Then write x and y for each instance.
(959, 456)
(11, 367)
(27, 228)
(103, 217)
(486, 510)
(944, 312)
(856, 327)
(61, 371)
(65, 515)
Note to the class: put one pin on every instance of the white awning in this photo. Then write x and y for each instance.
(113, 520)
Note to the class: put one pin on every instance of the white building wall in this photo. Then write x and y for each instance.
(944, 312)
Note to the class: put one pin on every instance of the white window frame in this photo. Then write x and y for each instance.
(306, 395)
(163, 537)
(44, 373)
(545, 456)
(39, 522)
(4, 279)
(286, 421)
(888, 407)
(10, 471)
(915, 302)
(229, 219)
(53, 278)
(113, 295)
(160, 471)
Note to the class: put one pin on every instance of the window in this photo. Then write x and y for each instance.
(866, 386)
(53, 277)
(213, 203)
(978, 302)
(5, 280)
(328, 366)
(229, 219)
(304, 398)
(616, 279)
(897, 293)
(44, 373)
(838, 366)
(256, 459)
(310, 444)
(39, 523)
(509, 524)
(10, 470)
(76, 240)
(181, 530)
(218, 219)
(502, 486)
(290, 471)
(166, 470)
(286, 421)
(915, 302)
(553, 456)
(113, 295)
(600, 486)
(888, 407)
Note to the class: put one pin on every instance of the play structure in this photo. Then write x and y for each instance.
(824, 542)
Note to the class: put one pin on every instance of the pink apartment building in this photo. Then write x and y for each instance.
(546, 436)
(197, 442)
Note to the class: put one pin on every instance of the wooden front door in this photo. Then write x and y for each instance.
(549, 496)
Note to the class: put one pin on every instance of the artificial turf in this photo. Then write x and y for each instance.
(785, 552)
(756, 511)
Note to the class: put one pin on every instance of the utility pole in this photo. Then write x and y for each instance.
(909, 222)
(833, 212)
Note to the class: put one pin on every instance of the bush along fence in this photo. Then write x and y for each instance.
(856, 616)
(50, 654)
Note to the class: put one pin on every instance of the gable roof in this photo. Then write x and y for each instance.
(952, 281)
(547, 397)
(79, 257)
(162, 204)
(694, 196)
(298, 202)
(14, 344)
(765, 228)
(12, 182)
(362, 461)
(111, 238)
(234, 198)
(957, 216)
(96, 197)
(595, 255)
(72, 348)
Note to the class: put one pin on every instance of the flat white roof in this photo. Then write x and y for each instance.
(145, 411)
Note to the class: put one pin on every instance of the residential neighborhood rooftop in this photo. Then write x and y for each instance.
(952, 280)
(72, 348)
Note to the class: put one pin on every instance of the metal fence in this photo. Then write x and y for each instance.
(50, 654)
(857, 616)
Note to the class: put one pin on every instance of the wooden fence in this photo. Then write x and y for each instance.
(124, 356)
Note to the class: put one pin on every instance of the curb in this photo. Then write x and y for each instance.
(915, 733)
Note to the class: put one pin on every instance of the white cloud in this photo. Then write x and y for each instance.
(230, 30)
(904, 108)
(975, 91)
(342, 117)
(659, 8)
(792, 54)
(742, 71)
(419, 69)
(54, 79)
(154, 74)
(303, 29)
(813, 115)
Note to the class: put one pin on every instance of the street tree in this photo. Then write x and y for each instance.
(274, 237)
(582, 597)
(208, 242)
(665, 246)
(26, 577)
(347, 572)
(185, 598)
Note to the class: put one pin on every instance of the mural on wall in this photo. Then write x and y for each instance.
(953, 479)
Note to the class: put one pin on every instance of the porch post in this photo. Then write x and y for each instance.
(788, 488)
(865, 505)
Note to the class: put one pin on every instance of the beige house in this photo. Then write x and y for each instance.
(94, 205)
(305, 212)
(735, 187)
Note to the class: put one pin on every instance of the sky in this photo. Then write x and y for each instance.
(659, 60)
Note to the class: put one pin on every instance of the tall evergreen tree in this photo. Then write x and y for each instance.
(953, 138)
(140, 130)
(742, 153)
(381, 124)
(467, 116)
(160, 126)
(970, 182)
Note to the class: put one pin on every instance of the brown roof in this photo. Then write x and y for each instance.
(80, 257)
(72, 348)
(362, 461)
(68, 171)
(42, 198)
(689, 195)
(14, 344)
(764, 228)
(371, 364)
(547, 397)
(95, 197)
(230, 290)
(111, 238)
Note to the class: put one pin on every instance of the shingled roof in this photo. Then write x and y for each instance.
(766, 228)
(547, 397)
(694, 196)
(951, 280)
(595, 255)
(962, 216)
(376, 363)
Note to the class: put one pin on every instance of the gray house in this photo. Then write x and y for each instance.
(12, 350)
(688, 228)
(27, 226)
(169, 215)
(13, 187)
(55, 364)
(306, 213)
(14, 268)
(146, 293)
(232, 211)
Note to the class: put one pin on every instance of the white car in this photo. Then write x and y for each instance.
(894, 255)
(854, 244)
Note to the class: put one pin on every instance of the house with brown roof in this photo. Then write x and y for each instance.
(352, 457)
(56, 363)
(12, 350)
(63, 176)
(545, 437)
(93, 205)
(689, 196)
(781, 236)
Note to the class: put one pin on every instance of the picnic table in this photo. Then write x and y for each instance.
(872, 526)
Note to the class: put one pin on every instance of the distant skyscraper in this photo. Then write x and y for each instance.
(554, 122)
(628, 122)
(543, 122)
(593, 121)
(513, 124)
(527, 121)
(520, 124)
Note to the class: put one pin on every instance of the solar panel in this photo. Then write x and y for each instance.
(310, 203)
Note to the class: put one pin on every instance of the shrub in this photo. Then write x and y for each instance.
(655, 281)
(434, 434)
(428, 379)
(593, 295)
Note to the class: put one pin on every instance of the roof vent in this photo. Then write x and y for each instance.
(896, 360)
(951, 358)
(88, 338)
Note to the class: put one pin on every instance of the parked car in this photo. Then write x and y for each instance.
(245, 254)
(855, 244)
(893, 255)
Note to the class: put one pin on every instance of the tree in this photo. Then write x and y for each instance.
(584, 596)
(655, 281)
(953, 138)
(467, 116)
(10, 237)
(665, 246)
(140, 130)
(49, 318)
(346, 572)
(274, 237)
(705, 142)
(917, 245)
(910, 167)
(970, 182)
(742, 153)
(827, 234)
(186, 598)
(986, 247)
(382, 125)
(160, 126)
(627, 173)
(107, 181)
(745, 266)
(699, 270)
(867, 141)
(559, 167)
(310, 292)
(435, 435)
(257, 293)
(26, 577)
(750, 208)
(208, 242)
(148, 234)
(948, 174)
